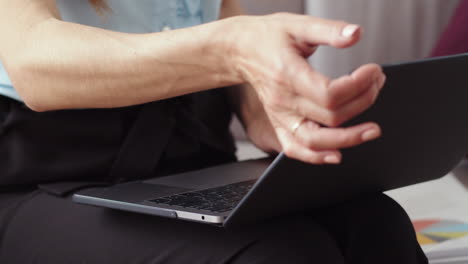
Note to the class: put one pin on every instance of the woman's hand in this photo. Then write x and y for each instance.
(270, 52)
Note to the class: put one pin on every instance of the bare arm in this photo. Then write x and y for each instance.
(59, 65)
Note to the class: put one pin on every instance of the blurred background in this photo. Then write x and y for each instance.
(395, 30)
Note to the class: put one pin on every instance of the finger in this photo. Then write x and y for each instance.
(323, 138)
(356, 106)
(308, 109)
(333, 94)
(333, 118)
(293, 149)
(349, 87)
(320, 31)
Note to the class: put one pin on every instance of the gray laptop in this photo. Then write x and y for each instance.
(423, 111)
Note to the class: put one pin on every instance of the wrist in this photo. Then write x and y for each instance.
(229, 42)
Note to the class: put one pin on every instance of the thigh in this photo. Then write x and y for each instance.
(373, 229)
(49, 229)
(9, 203)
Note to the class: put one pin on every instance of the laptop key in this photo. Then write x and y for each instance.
(219, 199)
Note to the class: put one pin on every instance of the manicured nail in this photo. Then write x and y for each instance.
(378, 83)
(382, 81)
(370, 134)
(349, 30)
(332, 159)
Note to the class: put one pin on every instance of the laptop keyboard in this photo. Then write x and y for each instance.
(219, 199)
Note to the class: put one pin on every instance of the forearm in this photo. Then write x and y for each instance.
(57, 65)
(61, 65)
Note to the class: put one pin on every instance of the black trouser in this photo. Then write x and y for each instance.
(38, 225)
(42, 228)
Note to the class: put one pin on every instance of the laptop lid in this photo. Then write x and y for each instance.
(423, 112)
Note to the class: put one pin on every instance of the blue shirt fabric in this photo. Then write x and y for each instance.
(142, 16)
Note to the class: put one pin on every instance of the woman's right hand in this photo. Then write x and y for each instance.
(304, 107)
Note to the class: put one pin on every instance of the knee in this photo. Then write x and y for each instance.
(383, 216)
(295, 240)
(381, 226)
(382, 209)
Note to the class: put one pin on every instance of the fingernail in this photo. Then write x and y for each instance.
(378, 83)
(370, 135)
(382, 81)
(349, 30)
(332, 159)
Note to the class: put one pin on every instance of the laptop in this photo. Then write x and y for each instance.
(423, 112)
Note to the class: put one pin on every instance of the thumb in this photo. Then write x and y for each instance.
(320, 31)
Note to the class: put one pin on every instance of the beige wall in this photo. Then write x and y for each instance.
(394, 30)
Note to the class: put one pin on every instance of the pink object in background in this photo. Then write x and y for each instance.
(454, 40)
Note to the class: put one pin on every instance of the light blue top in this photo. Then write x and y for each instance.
(142, 16)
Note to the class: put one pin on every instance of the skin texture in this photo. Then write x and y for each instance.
(262, 57)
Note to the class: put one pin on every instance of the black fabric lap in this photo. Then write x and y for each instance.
(59, 150)
(72, 145)
(50, 229)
